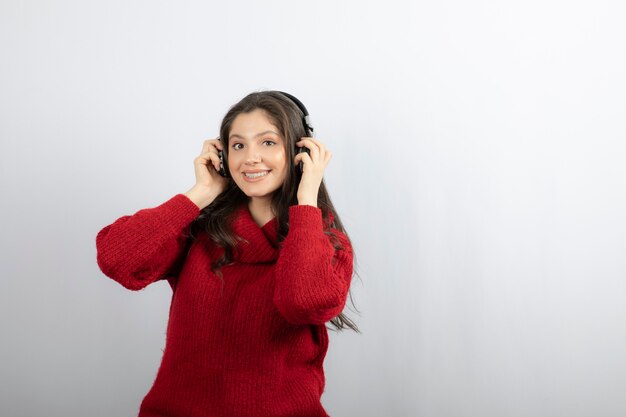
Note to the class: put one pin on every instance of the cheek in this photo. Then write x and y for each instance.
(279, 159)
(235, 159)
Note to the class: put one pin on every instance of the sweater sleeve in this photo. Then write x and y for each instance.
(140, 249)
(312, 278)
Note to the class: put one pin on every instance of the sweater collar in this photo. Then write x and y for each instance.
(261, 245)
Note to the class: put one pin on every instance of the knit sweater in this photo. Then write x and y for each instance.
(252, 345)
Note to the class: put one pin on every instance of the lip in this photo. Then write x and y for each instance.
(255, 179)
(256, 171)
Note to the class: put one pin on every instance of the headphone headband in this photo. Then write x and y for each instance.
(306, 119)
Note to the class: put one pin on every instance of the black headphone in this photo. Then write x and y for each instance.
(308, 128)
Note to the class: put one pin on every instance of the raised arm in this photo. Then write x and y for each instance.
(312, 278)
(140, 249)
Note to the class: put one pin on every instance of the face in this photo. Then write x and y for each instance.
(256, 155)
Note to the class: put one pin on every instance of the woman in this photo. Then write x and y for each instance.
(258, 262)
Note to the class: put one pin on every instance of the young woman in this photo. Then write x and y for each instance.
(258, 262)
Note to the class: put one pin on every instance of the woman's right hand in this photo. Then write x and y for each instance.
(209, 182)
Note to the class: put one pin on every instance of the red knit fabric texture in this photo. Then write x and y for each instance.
(253, 345)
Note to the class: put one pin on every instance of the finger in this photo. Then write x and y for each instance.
(312, 141)
(316, 152)
(218, 143)
(209, 143)
(303, 157)
(211, 146)
(215, 159)
(206, 146)
(315, 141)
(211, 157)
(309, 141)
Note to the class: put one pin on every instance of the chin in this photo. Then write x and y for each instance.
(258, 195)
(252, 190)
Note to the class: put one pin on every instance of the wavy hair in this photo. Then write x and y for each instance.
(213, 219)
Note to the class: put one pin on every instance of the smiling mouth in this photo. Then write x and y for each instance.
(257, 174)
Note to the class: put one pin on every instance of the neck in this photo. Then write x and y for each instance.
(261, 210)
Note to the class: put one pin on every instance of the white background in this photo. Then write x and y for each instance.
(478, 165)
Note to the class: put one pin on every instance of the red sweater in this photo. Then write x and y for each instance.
(254, 346)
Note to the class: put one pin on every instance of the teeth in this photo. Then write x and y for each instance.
(259, 174)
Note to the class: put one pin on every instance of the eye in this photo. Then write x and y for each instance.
(265, 141)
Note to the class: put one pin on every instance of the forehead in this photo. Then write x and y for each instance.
(252, 124)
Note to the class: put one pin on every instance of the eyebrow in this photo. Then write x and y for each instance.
(256, 136)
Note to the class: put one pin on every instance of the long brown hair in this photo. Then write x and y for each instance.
(287, 117)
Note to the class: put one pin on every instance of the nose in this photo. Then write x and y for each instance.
(253, 156)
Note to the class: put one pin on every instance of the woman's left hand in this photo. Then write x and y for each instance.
(313, 170)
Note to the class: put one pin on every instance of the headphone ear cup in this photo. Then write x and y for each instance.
(222, 169)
